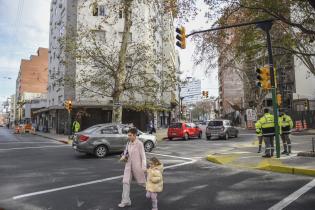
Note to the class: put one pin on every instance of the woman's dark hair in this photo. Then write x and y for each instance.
(133, 131)
(155, 161)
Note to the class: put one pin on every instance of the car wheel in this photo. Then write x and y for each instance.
(100, 151)
(186, 136)
(236, 135)
(170, 139)
(148, 146)
(208, 137)
(226, 137)
(200, 135)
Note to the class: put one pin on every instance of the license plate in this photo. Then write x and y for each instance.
(174, 134)
(74, 147)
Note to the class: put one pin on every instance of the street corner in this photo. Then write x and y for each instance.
(222, 159)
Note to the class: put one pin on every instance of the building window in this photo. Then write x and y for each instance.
(121, 14)
(100, 35)
(102, 11)
(98, 10)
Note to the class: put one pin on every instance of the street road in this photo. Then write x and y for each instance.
(38, 173)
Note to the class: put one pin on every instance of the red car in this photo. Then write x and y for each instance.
(183, 130)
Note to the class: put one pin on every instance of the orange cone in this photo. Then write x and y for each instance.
(305, 124)
(298, 125)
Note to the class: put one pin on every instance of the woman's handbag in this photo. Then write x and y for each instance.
(125, 155)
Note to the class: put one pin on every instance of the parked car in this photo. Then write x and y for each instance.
(221, 129)
(102, 139)
(183, 130)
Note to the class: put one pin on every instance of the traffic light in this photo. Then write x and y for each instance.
(206, 94)
(69, 105)
(263, 77)
(279, 99)
(306, 104)
(66, 104)
(181, 37)
(203, 93)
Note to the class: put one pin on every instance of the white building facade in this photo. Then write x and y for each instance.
(70, 17)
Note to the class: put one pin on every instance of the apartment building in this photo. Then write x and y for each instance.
(72, 17)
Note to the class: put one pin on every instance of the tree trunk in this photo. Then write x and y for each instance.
(121, 71)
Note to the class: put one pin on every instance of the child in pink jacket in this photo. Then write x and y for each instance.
(154, 182)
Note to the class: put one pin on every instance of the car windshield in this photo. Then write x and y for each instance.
(215, 123)
(176, 125)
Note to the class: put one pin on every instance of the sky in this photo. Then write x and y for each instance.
(24, 27)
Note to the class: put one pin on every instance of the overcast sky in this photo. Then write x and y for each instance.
(24, 26)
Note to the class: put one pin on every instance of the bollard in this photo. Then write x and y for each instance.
(313, 143)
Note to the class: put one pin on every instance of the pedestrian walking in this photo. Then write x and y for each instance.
(267, 125)
(154, 183)
(135, 166)
(286, 124)
(259, 136)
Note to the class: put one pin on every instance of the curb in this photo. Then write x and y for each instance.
(269, 167)
(47, 137)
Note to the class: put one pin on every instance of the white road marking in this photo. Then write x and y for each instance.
(96, 181)
(66, 187)
(184, 158)
(20, 148)
(294, 196)
(30, 142)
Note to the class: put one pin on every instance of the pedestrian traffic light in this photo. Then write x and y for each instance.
(279, 99)
(181, 37)
(263, 78)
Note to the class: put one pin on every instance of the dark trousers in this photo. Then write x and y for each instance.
(269, 142)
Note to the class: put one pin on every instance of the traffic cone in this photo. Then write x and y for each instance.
(298, 125)
(305, 124)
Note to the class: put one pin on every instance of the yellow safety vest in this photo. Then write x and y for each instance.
(258, 129)
(285, 123)
(76, 126)
(267, 124)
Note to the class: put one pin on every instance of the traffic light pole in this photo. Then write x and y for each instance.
(266, 26)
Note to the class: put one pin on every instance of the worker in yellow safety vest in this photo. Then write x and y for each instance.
(259, 135)
(286, 124)
(75, 126)
(267, 125)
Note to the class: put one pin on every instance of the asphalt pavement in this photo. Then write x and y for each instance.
(39, 173)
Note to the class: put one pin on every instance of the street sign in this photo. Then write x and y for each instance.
(117, 103)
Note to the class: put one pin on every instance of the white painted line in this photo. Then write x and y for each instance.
(180, 164)
(66, 187)
(294, 196)
(184, 158)
(20, 148)
(89, 183)
(30, 142)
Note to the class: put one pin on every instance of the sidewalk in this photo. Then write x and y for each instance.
(304, 132)
(245, 156)
(57, 137)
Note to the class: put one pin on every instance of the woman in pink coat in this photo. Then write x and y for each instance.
(135, 167)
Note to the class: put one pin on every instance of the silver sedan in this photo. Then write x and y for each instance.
(102, 139)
